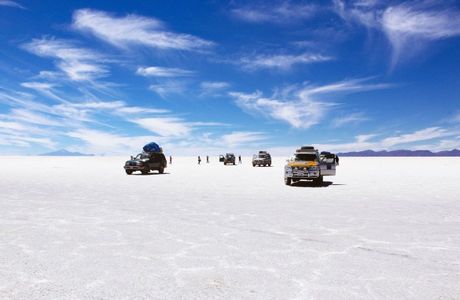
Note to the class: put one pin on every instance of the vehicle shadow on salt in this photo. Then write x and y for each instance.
(314, 185)
(148, 174)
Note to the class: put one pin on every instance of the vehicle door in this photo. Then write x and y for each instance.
(327, 164)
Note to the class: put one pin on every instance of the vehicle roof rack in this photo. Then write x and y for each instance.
(307, 148)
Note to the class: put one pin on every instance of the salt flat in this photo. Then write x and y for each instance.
(80, 228)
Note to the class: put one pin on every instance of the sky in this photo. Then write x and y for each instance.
(209, 77)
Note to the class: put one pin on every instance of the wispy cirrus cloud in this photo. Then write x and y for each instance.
(154, 71)
(304, 106)
(237, 138)
(11, 4)
(280, 61)
(352, 118)
(435, 135)
(133, 29)
(284, 12)
(404, 24)
(213, 88)
(169, 87)
(77, 63)
(172, 126)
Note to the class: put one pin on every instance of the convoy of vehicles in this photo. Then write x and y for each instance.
(263, 158)
(308, 164)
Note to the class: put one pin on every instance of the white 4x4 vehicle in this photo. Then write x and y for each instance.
(308, 164)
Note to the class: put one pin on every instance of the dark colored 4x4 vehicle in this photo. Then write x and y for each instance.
(145, 162)
(263, 158)
(229, 158)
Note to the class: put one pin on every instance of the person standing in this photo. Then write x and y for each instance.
(170, 160)
(239, 159)
(207, 159)
(199, 160)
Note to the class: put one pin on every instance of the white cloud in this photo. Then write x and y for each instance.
(213, 88)
(282, 13)
(78, 64)
(417, 136)
(242, 137)
(353, 118)
(300, 107)
(409, 141)
(172, 126)
(100, 142)
(11, 4)
(134, 30)
(167, 126)
(44, 88)
(281, 61)
(166, 88)
(404, 24)
(163, 72)
(214, 85)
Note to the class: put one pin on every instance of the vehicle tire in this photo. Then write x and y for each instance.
(145, 171)
(161, 170)
(270, 164)
(253, 165)
(129, 172)
(287, 181)
(319, 180)
(234, 163)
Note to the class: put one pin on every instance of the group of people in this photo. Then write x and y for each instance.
(207, 159)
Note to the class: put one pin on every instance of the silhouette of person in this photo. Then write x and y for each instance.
(199, 159)
(207, 159)
(239, 159)
(170, 160)
(336, 159)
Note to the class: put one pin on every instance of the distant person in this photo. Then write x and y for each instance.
(336, 160)
(170, 160)
(239, 159)
(199, 160)
(207, 159)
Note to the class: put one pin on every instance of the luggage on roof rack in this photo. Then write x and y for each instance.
(307, 148)
(152, 148)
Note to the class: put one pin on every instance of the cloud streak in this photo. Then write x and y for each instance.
(133, 29)
(281, 13)
(301, 107)
(79, 64)
(163, 72)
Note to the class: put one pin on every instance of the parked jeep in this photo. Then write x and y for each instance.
(146, 162)
(229, 158)
(308, 164)
(263, 158)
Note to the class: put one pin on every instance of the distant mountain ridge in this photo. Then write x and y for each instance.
(401, 153)
(64, 152)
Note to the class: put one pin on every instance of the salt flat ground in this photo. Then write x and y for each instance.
(80, 228)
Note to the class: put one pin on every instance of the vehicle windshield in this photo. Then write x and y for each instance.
(141, 156)
(305, 157)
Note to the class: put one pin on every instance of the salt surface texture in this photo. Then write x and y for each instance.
(80, 227)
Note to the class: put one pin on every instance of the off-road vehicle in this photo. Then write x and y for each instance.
(229, 158)
(308, 164)
(263, 158)
(146, 162)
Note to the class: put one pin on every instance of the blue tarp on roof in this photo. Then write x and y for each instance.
(152, 147)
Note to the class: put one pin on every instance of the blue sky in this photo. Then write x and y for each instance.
(205, 77)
